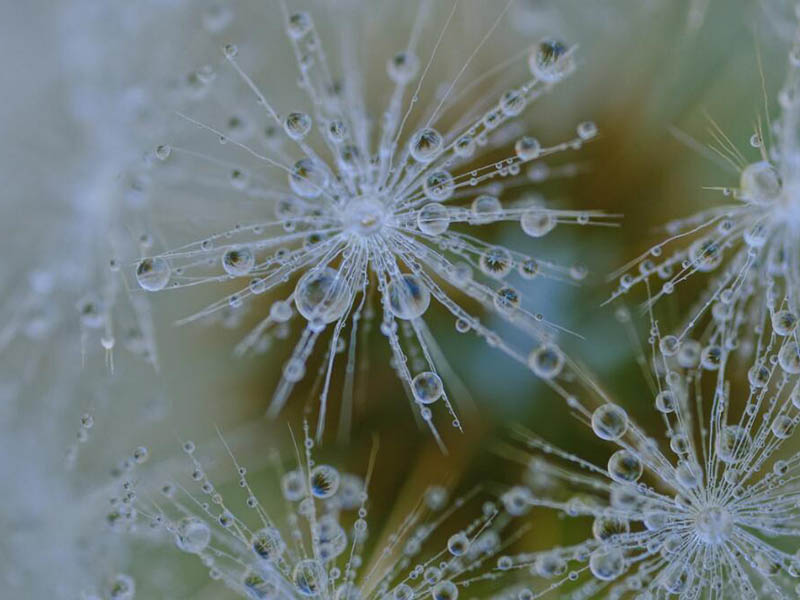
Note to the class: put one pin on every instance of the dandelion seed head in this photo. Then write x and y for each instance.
(377, 218)
(318, 545)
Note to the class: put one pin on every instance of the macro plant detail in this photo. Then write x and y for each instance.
(334, 187)
(377, 223)
(318, 543)
(747, 247)
(708, 515)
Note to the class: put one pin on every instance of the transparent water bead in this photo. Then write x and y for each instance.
(122, 587)
(425, 145)
(549, 62)
(297, 125)
(309, 577)
(427, 387)
(152, 274)
(625, 467)
(402, 67)
(760, 183)
(308, 179)
(439, 186)
(609, 422)
(324, 481)
(458, 543)
(433, 219)
(192, 535)
(789, 358)
(299, 24)
(784, 322)
(527, 148)
(546, 361)
(408, 297)
(322, 294)
(268, 544)
(238, 261)
(607, 564)
(496, 262)
(537, 222)
(445, 590)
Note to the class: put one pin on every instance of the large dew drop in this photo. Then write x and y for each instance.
(152, 274)
(425, 145)
(309, 577)
(550, 61)
(324, 481)
(609, 422)
(427, 387)
(322, 294)
(307, 178)
(192, 535)
(433, 219)
(408, 297)
(238, 261)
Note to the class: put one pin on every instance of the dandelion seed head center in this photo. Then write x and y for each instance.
(713, 524)
(365, 216)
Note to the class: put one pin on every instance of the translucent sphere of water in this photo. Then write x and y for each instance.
(238, 262)
(409, 298)
(268, 544)
(625, 467)
(546, 361)
(609, 422)
(297, 125)
(192, 535)
(458, 543)
(485, 209)
(307, 178)
(527, 148)
(427, 387)
(549, 62)
(152, 274)
(439, 186)
(760, 183)
(123, 587)
(425, 145)
(433, 219)
(607, 563)
(445, 590)
(293, 486)
(324, 481)
(309, 577)
(402, 67)
(322, 294)
(537, 222)
(789, 358)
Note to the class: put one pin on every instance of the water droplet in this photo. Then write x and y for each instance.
(152, 274)
(297, 125)
(425, 145)
(546, 361)
(409, 298)
(427, 387)
(537, 222)
(402, 67)
(609, 422)
(527, 148)
(324, 481)
(192, 535)
(550, 61)
(322, 294)
(238, 262)
(433, 219)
